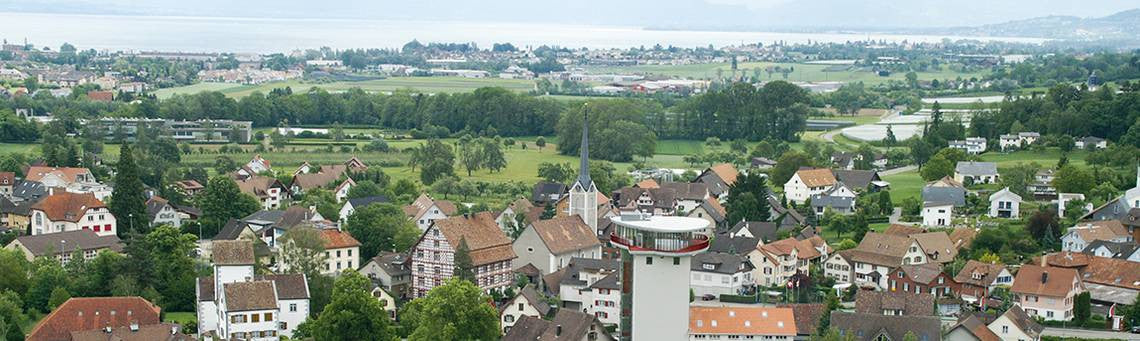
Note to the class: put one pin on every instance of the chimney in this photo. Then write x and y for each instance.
(173, 330)
(558, 330)
(1044, 259)
(1044, 277)
(134, 326)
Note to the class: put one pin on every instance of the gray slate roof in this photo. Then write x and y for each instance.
(972, 168)
(832, 201)
(738, 245)
(570, 276)
(50, 244)
(856, 179)
(29, 190)
(1119, 250)
(357, 203)
(766, 231)
(721, 263)
(953, 195)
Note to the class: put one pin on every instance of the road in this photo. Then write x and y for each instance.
(1089, 334)
(898, 170)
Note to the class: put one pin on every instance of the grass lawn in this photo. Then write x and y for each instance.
(183, 318)
(905, 185)
(425, 84)
(1046, 158)
(803, 72)
(7, 148)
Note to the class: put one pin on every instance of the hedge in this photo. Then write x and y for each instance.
(739, 298)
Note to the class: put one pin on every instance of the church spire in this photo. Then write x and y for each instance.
(584, 150)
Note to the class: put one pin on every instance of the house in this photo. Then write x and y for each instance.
(788, 219)
(776, 262)
(894, 303)
(1005, 204)
(808, 182)
(322, 178)
(718, 179)
(566, 325)
(736, 323)
(876, 327)
(28, 191)
(1120, 250)
(971, 145)
(66, 211)
(546, 192)
(270, 192)
(390, 271)
(233, 302)
(1063, 200)
(807, 317)
(937, 246)
(970, 328)
(655, 201)
(1029, 137)
(726, 243)
(528, 302)
(257, 165)
(351, 205)
(718, 273)
(1016, 324)
(189, 188)
(160, 211)
(860, 181)
(59, 176)
(156, 332)
(763, 163)
(101, 96)
(1078, 237)
(922, 278)
(976, 280)
(845, 160)
(687, 195)
(945, 190)
(937, 214)
(871, 262)
(490, 251)
(64, 245)
(550, 244)
(1091, 142)
(838, 199)
(974, 173)
(80, 314)
(269, 225)
(592, 286)
(342, 251)
(712, 211)
(426, 210)
(1046, 291)
(387, 300)
(1010, 141)
(508, 217)
(15, 215)
(233, 230)
(1110, 280)
(7, 181)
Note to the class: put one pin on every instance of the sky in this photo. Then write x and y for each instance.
(702, 14)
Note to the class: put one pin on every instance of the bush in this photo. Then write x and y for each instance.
(751, 299)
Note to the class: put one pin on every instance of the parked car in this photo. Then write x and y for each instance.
(708, 297)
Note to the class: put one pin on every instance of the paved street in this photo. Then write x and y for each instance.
(1089, 334)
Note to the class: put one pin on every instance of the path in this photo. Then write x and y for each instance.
(898, 170)
(1088, 334)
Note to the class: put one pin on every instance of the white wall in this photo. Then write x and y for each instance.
(660, 298)
(290, 317)
(937, 215)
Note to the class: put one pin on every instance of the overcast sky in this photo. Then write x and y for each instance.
(655, 13)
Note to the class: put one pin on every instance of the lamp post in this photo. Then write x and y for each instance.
(131, 219)
(62, 247)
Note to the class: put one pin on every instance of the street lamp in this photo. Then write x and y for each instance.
(62, 247)
(131, 218)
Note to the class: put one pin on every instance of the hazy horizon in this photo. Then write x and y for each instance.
(692, 14)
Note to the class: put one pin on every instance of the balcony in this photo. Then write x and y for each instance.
(659, 242)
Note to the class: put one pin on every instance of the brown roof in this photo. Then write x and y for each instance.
(1064, 259)
(976, 328)
(1100, 230)
(742, 321)
(486, 241)
(988, 272)
(87, 313)
(881, 249)
(84, 239)
(289, 286)
(573, 325)
(7, 179)
(150, 332)
(963, 236)
(424, 203)
(937, 246)
(647, 183)
(69, 174)
(1031, 279)
(565, 234)
(337, 239)
(806, 248)
(688, 190)
(103, 96)
(1023, 321)
(924, 273)
(816, 177)
(257, 185)
(1112, 272)
(874, 302)
(252, 295)
(727, 173)
(662, 197)
(807, 316)
(189, 184)
(903, 230)
(323, 177)
(67, 206)
(232, 252)
(946, 181)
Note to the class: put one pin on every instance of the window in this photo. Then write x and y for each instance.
(648, 260)
(292, 307)
(268, 317)
(1005, 329)
(676, 260)
(254, 318)
(508, 318)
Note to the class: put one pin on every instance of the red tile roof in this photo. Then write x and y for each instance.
(1031, 279)
(37, 173)
(7, 179)
(337, 239)
(67, 206)
(102, 96)
(87, 313)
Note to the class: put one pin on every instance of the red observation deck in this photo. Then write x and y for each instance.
(660, 235)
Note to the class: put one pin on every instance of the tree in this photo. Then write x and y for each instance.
(493, 157)
(1082, 307)
(365, 189)
(920, 150)
(47, 274)
(1074, 179)
(456, 310)
(160, 261)
(1043, 225)
(464, 267)
(556, 172)
(58, 296)
(438, 161)
(937, 168)
(128, 200)
(303, 251)
(13, 271)
(787, 166)
(540, 142)
(446, 186)
(1018, 177)
(381, 227)
(890, 140)
(886, 206)
(222, 201)
(325, 202)
(352, 313)
(470, 155)
(748, 199)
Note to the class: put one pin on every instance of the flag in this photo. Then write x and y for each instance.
(1112, 310)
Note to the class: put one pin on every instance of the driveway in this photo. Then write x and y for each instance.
(1088, 334)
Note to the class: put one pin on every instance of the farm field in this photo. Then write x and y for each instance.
(425, 84)
(802, 72)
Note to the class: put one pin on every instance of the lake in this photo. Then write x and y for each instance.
(267, 35)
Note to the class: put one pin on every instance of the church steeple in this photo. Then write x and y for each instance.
(584, 151)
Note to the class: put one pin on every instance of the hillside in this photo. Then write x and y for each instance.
(1121, 26)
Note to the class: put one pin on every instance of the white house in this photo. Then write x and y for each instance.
(1080, 236)
(871, 262)
(808, 182)
(236, 303)
(716, 273)
(1015, 324)
(1091, 142)
(351, 205)
(839, 198)
(1047, 292)
(59, 176)
(527, 303)
(1005, 204)
(591, 286)
(550, 244)
(971, 172)
(258, 165)
(971, 145)
(937, 214)
(342, 252)
(66, 211)
(386, 299)
(426, 210)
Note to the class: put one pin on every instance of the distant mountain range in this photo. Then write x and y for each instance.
(1122, 26)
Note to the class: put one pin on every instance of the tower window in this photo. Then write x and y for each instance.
(649, 260)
